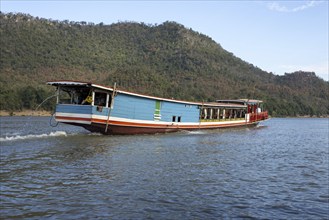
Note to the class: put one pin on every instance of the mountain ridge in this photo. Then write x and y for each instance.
(166, 60)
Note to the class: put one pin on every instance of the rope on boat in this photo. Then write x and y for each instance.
(53, 115)
(51, 119)
(45, 101)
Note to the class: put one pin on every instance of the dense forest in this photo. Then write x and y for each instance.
(166, 60)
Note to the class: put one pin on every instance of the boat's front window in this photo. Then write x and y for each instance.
(75, 95)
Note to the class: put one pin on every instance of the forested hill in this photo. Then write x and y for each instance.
(165, 60)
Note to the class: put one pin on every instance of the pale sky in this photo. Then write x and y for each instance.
(276, 36)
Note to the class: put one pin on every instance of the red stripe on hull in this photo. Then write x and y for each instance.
(165, 126)
(121, 127)
(124, 130)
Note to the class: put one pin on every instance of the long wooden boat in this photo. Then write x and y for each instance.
(111, 111)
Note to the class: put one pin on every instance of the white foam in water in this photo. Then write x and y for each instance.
(261, 126)
(196, 132)
(33, 136)
(95, 134)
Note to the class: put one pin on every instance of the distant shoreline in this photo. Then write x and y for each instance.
(48, 113)
(25, 113)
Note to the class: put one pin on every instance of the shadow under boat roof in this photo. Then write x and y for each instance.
(239, 103)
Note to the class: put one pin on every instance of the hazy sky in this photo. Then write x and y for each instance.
(276, 36)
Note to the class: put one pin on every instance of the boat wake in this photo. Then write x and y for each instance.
(196, 132)
(260, 126)
(33, 136)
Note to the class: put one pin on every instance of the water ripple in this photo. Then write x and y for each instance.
(277, 171)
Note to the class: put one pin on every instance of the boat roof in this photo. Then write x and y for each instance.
(241, 101)
(218, 103)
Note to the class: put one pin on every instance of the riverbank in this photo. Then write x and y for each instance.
(48, 113)
(25, 113)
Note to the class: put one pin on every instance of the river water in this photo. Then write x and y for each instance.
(277, 170)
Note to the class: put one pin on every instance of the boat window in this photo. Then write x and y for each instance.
(230, 113)
(209, 113)
(179, 119)
(205, 113)
(215, 113)
(64, 96)
(100, 99)
(109, 100)
(74, 95)
(84, 97)
(173, 118)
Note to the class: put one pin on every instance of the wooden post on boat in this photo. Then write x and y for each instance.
(110, 107)
(247, 112)
(201, 115)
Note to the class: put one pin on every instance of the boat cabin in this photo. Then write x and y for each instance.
(254, 108)
(83, 94)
